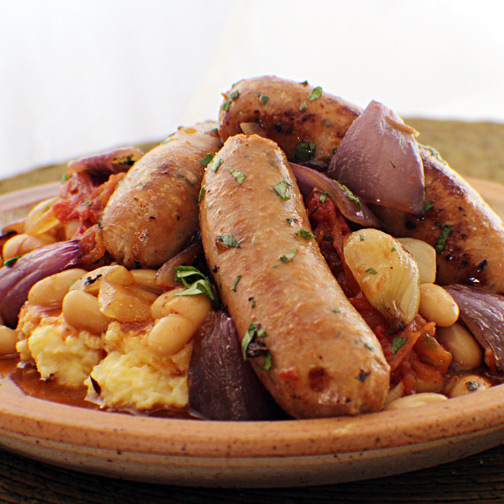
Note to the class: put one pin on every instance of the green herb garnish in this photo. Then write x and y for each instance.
(264, 99)
(208, 157)
(303, 106)
(397, 343)
(227, 103)
(349, 194)
(235, 283)
(10, 262)
(215, 163)
(201, 192)
(238, 175)
(307, 235)
(445, 233)
(305, 151)
(228, 240)
(315, 94)
(194, 281)
(371, 271)
(285, 258)
(281, 189)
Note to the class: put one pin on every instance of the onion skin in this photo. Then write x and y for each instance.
(358, 212)
(379, 160)
(17, 280)
(222, 386)
(482, 312)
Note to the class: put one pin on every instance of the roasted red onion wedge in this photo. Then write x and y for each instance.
(222, 386)
(17, 279)
(103, 165)
(348, 204)
(379, 160)
(482, 312)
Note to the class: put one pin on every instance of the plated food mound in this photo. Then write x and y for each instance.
(301, 257)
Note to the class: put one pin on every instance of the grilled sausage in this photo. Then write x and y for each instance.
(308, 345)
(307, 123)
(466, 232)
(153, 213)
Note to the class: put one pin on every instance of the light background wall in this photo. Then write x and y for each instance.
(81, 76)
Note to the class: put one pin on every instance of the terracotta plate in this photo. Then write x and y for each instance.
(246, 454)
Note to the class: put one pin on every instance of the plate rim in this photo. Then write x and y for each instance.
(55, 422)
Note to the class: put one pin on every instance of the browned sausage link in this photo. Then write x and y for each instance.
(467, 234)
(308, 345)
(307, 123)
(153, 213)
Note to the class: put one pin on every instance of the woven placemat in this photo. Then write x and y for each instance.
(474, 149)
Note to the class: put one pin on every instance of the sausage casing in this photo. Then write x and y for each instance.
(306, 122)
(153, 213)
(325, 360)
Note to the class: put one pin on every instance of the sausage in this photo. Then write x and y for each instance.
(153, 213)
(308, 345)
(466, 232)
(307, 127)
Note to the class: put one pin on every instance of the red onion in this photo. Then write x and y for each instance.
(379, 160)
(17, 280)
(349, 205)
(222, 386)
(482, 312)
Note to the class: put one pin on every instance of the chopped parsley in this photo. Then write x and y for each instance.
(290, 220)
(264, 99)
(194, 281)
(228, 240)
(361, 237)
(208, 157)
(397, 343)
(307, 235)
(235, 283)
(440, 245)
(65, 177)
(323, 196)
(349, 194)
(215, 163)
(238, 175)
(252, 348)
(472, 386)
(10, 262)
(281, 189)
(303, 106)
(371, 271)
(427, 205)
(305, 151)
(285, 258)
(336, 310)
(315, 94)
(227, 103)
(86, 203)
(201, 192)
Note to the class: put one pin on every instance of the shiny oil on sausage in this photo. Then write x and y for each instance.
(153, 213)
(308, 345)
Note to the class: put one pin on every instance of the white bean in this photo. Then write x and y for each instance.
(81, 311)
(170, 334)
(465, 350)
(8, 340)
(51, 290)
(437, 305)
(469, 383)
(415, 400)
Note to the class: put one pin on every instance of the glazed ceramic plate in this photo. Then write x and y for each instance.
(246, 454)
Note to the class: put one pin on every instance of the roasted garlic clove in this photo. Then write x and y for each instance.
(386, 272)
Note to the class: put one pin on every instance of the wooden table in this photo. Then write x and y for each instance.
(476, 479)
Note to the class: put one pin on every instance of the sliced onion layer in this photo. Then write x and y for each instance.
(16, 280)
(348, 204)
(482, 312)
(379, 160)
